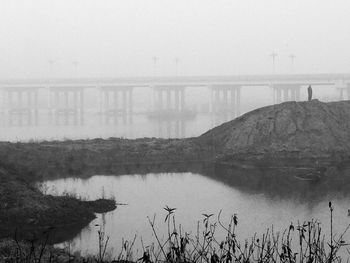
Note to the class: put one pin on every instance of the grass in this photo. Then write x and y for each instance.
(49, 159)
(302, 242)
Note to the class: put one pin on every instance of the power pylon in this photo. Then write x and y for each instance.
(273, 55)
(292, 58)
(155, 60)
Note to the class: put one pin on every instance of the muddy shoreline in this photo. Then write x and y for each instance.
(25, 212)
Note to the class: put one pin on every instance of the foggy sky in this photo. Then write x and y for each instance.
(119, 37)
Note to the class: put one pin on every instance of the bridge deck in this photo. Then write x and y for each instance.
(302, 79)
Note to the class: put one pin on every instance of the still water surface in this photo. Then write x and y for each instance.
(259, 204)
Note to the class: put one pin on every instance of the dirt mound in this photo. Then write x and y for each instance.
(291, 129)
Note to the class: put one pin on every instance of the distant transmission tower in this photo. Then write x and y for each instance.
(75, 64)
(155, 60)
(51, 62)
(273, 55)
(177, 60)
(292, 58)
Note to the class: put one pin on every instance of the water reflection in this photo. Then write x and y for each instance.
(260, 197)
(285, 183)
(68, 112)
(21, 118)
(60, 125)
(171, 128)
(115, 118)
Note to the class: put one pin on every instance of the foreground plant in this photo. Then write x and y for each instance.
(303, 242)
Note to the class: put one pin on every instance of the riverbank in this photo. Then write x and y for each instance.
(25, 209)
(79, 157)
(312, 134)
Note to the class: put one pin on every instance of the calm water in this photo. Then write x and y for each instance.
(45, 126)
(97, 126)
(259, 202)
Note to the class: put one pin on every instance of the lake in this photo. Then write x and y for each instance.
(260, 198)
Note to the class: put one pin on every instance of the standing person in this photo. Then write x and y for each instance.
(309, 92)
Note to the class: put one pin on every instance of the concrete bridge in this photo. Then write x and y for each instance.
(66, 96)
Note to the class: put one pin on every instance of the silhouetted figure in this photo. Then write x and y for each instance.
(309, 92)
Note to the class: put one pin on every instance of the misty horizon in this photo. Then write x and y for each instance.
(61, 39)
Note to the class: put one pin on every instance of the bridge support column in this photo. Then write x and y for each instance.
(131, 106)
(170, 100)
(21, 105)
(293, 95)
(116, 102)
(75, 107)
(81, 107)
(36, 108)
(297, 94)
(344, 89)
(279, 95)
(285, 94)
(160, 100)
(124, 107)
(31, 109)
(183, 103)
(67, 102)
(215, 101)
(225, 100)
(289, 92)
(66, 106)
(177, 100)
(238, 101)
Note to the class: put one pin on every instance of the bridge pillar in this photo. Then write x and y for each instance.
(215, 100)
(170, 99)
(160, 99)
(225, 99)
(116, 102)
(297, 94)
(289, 92)
(293, 94)
(82, 106)
(22, 104)
(124, 106)
(343, 89)
(66, 102)
(177, 100)
(279, 95)
(183, 103)
(286, 94)
(131, 106)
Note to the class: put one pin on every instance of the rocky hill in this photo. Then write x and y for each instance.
(288, 130)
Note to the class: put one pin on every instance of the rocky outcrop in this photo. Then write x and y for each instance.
(287, 130)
